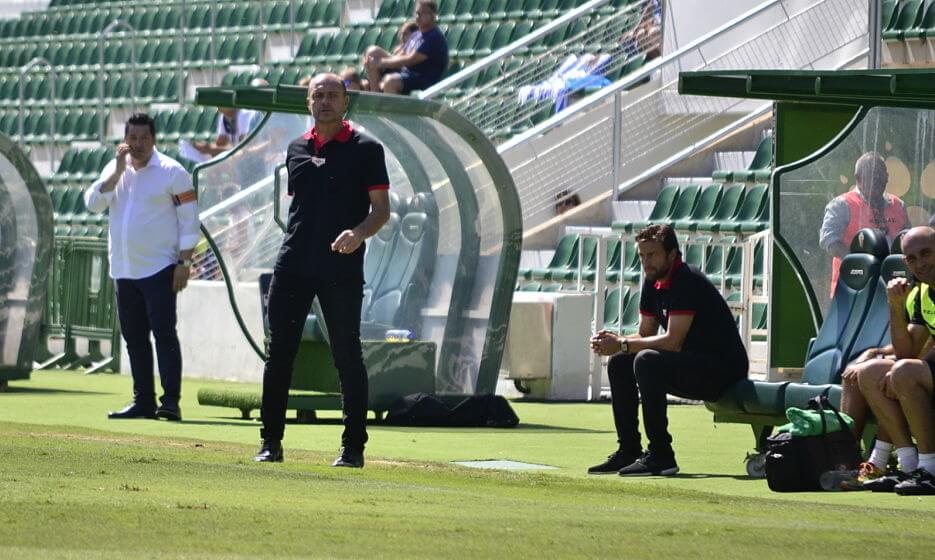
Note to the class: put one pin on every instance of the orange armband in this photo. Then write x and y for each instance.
(188, 196)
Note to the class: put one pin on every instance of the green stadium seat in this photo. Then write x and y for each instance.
(465, 45)
(688, 197)
(908, 17)
(752, 213)
(704, 209)
(566, 250)
(925, 27)
(529, 287)
(665, 202)
(588, 256)
(630, 321)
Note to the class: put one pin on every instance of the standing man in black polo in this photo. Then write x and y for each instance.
(153, 230)
(340, 190)
(698, 356)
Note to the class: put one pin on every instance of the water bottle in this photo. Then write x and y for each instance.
(836, 480)
(399, 335)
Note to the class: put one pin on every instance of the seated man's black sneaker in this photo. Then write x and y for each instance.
(887, 482)
(270, 452)
(349, 458)
(920, 483)
(615, 461)
(170, 413)
(133, 410)
(649, 464)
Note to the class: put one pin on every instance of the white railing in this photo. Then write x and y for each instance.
(616, 136)
(527, 80)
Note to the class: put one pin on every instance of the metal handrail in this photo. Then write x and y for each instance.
(497, 55)
(632, 79)
(119, 23)
(22, 118)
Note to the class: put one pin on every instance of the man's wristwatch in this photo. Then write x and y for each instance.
(624, 346)
(187, 263)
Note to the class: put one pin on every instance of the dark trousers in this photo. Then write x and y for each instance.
(648, 376)
(290, 299)
(144, 306)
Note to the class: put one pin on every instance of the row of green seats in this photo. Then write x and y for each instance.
(81, 165)
(85, 54)
(146, 20)
(721, 262)
(189, 122)
(758, 170)
(912, 19)
(274, 75)
(70, 126)
(398, 11)
(83, 88)
(714, 209)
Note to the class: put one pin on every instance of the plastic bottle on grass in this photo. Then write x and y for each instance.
(837, 480)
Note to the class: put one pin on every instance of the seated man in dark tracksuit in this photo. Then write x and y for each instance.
(698, 356)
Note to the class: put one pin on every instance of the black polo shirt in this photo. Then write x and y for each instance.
(330, 184)
(713, 331)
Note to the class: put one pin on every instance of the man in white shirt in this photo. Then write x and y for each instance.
(153, 230)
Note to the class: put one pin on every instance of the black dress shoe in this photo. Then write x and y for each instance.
(170, 413)
(270, 452)
(349, 458)
(133, 410)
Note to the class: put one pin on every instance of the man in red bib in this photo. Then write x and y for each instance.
(866, 205)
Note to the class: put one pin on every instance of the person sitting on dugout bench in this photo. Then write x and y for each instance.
(895, 383)
(698, 356)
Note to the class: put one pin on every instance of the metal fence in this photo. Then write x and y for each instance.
(621, 137)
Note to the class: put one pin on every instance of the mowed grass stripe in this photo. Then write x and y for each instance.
(93, 493)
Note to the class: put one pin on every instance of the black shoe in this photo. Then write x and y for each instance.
(170, 413)
(133, 410)
(270, 452)
(887, 482)
(649, 464)
(920, 483)
(615, 461)
(349, 458)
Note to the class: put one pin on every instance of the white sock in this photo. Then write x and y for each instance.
(908, 458)
(880, 455)
(927, 462)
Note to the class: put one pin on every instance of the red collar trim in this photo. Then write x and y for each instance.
(342, 136)
(666, 282)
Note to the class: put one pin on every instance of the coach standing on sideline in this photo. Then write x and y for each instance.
(153, 230)
(339, 185)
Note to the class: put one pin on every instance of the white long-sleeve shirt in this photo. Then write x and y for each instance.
(147, 229)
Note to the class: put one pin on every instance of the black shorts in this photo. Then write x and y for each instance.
(413, 81)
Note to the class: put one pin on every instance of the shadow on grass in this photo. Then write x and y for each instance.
(709, 475)
(383, 426)
(252, 424)
(47, 391)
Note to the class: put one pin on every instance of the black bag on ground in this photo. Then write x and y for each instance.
(418, 409)
(481, 411)
(795, 463)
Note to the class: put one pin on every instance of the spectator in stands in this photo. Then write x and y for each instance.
(866, 205)
(423, 62)
(340, 185)
(352, 79)
(646, 37)
(565, 201)
(233, 126)
(699, 356)
(152, 235)
(373, 52)
(895, 383)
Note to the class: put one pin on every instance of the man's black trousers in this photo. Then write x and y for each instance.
(290, 299)
(648, 376)
(148, 305)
